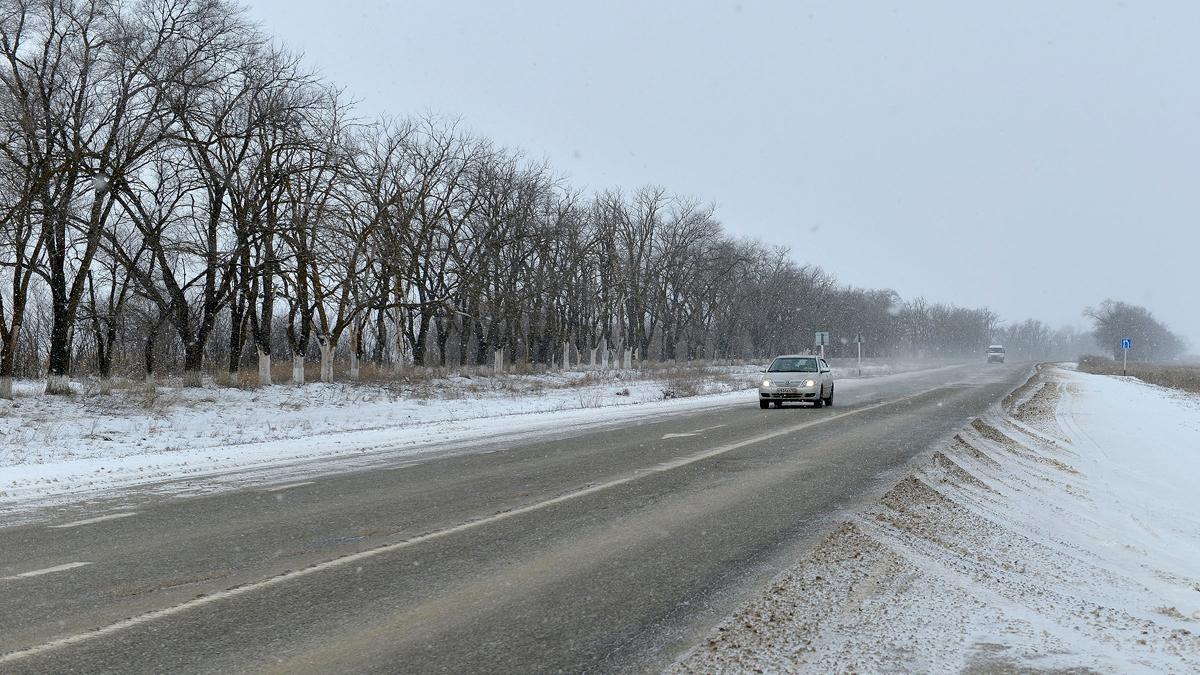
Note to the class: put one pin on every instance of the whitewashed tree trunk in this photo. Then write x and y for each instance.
(327, 348)
(566, 356)
(297, 369)
(628, 360)
(6, 387)
(354, 340)
(264, 368)
(235, 378)
(58, 384)
(592, 359)
(499, 368)
(105, 385)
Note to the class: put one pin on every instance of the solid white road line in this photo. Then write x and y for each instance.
(277, 488)
(48, 570)
(99, 519)
(388, 548)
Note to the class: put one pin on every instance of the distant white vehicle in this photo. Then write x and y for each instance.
(995, 354)
(796, 377)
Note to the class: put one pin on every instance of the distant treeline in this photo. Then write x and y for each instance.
(178, 195)
(1151, 340)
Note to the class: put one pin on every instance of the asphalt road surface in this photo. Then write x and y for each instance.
(602, 550)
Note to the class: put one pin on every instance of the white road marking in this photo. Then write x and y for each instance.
(396, 546)
(99, 519)
(277, 488)
(691, 433)
(48, 570)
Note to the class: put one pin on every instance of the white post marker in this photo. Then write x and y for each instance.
(858, 339)
(1126, 345)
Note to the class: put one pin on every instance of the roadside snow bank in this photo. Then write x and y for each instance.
(61, 447)
(1060, 534)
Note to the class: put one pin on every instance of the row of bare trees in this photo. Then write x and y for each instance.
(178, 194)
(1114, 321)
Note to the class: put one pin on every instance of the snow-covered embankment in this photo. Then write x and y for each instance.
(1060, 533)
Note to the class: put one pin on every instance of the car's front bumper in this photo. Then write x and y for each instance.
(788, 393)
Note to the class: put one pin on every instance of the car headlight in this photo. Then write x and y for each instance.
(810, 383)
(766, 383)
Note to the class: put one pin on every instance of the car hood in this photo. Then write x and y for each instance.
(789, 378)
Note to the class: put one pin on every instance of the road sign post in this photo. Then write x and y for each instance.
(821, 339)
(858, 339)
(1126, 345)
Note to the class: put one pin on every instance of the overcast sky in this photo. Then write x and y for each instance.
(1032, 157)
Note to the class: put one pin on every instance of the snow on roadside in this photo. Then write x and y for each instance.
(59, 448)
(55, 450)
(1060, 534)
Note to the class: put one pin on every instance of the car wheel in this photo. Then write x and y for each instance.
(764, 404)
(829, 399)
(819, 403)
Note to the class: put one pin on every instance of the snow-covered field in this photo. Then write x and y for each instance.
(1060, 534)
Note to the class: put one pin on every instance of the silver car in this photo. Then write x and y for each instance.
(995, 354)
(796, 377)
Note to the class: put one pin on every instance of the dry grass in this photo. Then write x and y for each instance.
(432, 382)
(682, 382)
(1186, 378)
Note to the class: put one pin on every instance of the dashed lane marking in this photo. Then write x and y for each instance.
(98, 519)
(289, 486)
(48, 570)
(691, 433)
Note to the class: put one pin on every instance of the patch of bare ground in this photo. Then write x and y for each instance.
(1038, 411)
(959, 445)
(1022, 392)
(993, 662)
(958, 474)
(1017, 448)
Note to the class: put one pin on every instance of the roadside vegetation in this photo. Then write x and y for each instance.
(1185, 377)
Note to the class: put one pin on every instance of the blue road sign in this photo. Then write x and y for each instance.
(1126, 344)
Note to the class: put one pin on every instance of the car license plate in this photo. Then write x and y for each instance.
(788, 390)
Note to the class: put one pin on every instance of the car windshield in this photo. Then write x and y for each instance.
(793, 365)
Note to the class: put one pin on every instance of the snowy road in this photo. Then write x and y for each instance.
(610, 548)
